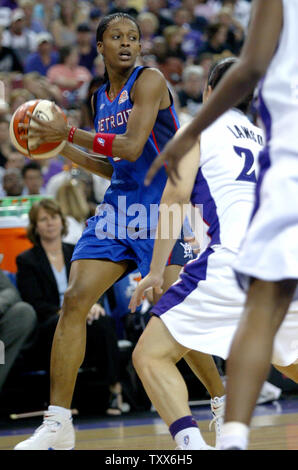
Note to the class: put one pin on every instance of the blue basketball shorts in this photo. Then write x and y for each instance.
(137, 251)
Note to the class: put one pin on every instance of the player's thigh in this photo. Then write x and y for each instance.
(157, 343)
(89, 279)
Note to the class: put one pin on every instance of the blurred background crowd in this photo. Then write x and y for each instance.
(48, 51)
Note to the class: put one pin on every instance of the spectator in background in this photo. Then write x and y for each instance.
(240, 10)
(31, 23)
(206, 8)
(71, 78)
(17, 323)
(15, 159)
(5, 147)
(197, 23)
(44, 58)
(235, 36)
(205, 60)
(33, 180)
(99, 67)
(192, 39)
(159, 48)
(149, 25)
(191, 93)
(102, 5)
(86, 48)
(172, 68)
(156, 7)
(123, 7)
(94, 19)
(64, 27)
(174, 38)
(12, 4)
(42, 280)
(73, 202)
(216, 39)
(12, 182)
(41, 88)
(9, 61)
(46, 12)
(22, 41)
(18, 97)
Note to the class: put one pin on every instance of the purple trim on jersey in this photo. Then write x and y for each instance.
(264, 156)
(192, 273)
(201, 195)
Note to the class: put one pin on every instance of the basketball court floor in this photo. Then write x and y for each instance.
(274, 427)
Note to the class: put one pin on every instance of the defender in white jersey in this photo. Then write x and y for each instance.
(201, 311)
(268, 262)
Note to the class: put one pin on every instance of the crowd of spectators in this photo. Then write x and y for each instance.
(48, 51)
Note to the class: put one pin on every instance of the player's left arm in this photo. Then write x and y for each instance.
(149, 90)
(172, 212)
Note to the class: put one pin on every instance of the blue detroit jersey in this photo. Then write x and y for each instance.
(127, 181)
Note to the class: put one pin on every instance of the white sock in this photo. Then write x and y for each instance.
(234, 434)
(60, 410)
(190, 439)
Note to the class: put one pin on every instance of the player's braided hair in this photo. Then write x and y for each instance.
(104, 23)
(216, 73)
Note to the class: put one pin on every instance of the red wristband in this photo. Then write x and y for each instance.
(71, 134)
(102, 143)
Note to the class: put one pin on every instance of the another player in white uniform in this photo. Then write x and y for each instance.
(202, 310)
(268, 262)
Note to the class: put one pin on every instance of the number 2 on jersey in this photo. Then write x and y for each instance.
(246, 174)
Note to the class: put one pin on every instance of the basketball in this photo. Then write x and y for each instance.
(42, 110)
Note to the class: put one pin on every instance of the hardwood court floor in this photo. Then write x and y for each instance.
(274, 427)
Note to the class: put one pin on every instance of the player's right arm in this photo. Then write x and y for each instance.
(94, 163)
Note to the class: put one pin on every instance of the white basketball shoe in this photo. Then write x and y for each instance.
(218, 412)
(55, 433)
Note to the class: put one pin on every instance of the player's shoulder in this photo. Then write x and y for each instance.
(151, 75)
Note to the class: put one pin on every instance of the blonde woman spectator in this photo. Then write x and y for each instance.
(65, 26)
(72, 200)
(149, 25)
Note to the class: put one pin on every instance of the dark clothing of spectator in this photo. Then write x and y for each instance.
(87, 60)
(185, 99)
(9, 61)
(17, 323)
(38, 286)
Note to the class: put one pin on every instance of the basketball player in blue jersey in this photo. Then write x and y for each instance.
(268, 262)
(134, 118)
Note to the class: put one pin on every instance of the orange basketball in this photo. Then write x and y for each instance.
(42, 109)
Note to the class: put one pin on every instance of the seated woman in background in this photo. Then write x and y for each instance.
(42, 280)
(74, 206)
